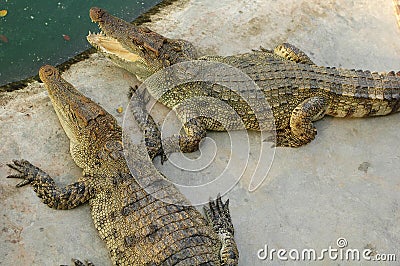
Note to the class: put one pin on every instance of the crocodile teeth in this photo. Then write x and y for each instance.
(101, 34)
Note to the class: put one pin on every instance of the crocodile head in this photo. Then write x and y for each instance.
(84, 121)
(136, 48)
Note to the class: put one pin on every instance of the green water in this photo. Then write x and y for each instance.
(34, 33)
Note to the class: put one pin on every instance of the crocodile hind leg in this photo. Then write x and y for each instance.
(68, 197)
(290, 52)
(301, 130)
(218, 216)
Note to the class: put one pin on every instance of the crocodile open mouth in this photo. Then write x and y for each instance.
(136, 48)
(114, 40)
(120, 55)
(110, 46)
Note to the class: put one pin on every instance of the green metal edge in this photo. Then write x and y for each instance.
(143, 18)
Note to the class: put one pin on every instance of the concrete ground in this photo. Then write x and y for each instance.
(345, 184)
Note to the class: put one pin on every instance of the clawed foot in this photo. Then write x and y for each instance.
(80, 263)
(154, 147)
(218, 215)
(27, 171)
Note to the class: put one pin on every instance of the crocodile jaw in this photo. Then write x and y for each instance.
(121, 56)
(140, 50)
(136, 49)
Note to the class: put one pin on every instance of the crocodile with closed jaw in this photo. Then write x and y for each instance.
(298, 91)
(141, 225)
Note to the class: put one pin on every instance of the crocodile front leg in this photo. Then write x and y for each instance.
(55, 197)
(197, 114)
(301, 130)
(195, 131)
(151, 132)
(194, 128)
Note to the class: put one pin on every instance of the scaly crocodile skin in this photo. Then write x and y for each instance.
(297, 91)
(147, 224)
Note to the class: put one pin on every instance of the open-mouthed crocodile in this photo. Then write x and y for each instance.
(297, 91)
(143, 218)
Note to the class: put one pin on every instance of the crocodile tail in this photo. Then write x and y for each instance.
(358, 93)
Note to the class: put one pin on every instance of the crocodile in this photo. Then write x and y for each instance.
(297, 90)
(143, 219)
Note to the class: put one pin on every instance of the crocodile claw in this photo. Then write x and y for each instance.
(80, 263)
(156, 150)
(26, 170)
(164, 157)
(218, 214)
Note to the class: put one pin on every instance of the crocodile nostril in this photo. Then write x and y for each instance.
(48, 71)
(96, 14)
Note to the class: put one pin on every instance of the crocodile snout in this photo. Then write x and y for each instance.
(48, 72)
(96, 14)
